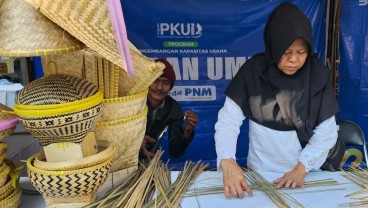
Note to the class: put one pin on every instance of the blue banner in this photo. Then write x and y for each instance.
(353, 68)
(206, 42)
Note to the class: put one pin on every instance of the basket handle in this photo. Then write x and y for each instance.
(48, 68)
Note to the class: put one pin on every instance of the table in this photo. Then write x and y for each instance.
(326, 197)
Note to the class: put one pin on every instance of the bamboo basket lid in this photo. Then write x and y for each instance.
(25, 32)
(88, 21)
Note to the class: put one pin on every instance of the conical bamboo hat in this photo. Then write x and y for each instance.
(25, 31)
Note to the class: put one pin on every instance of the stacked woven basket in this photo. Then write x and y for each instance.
(10, 193)
(89, 108)
(123, 120)
(61, 112)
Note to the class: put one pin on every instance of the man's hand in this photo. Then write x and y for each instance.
(191, 120)
(234, 180)
(292, 179)
(143, 151)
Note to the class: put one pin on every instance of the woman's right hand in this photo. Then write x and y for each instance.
(234, 180)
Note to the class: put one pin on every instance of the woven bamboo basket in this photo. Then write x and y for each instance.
(123, 107)
(106, 151)
(4, 175)
(3, 155)
(127, 136)
(12, 180)
(88, 21)
(13, 200)
(67, 63)
(59, 108)
(68, 188)
(25, 31)
(146, 72)
(8, 121)
(3, 147)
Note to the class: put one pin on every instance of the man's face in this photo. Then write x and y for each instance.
(159, 89)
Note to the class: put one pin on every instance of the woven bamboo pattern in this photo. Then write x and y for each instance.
(90, 66)
(68, 63)
(102, 73)
(4, 175)
(11, 181)
(25, 32)
(105, 152)
(88, 21)
(127, 136)
(55, 89)
(59, 108)
(146, 72)
(72, 127)
(123, 107)
(13, 200)
(70, 186)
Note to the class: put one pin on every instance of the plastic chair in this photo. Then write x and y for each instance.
(352, 135)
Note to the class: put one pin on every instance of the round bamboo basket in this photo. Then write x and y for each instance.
(66, 187)
(3, 148)
(12, 180)
(2, 155)
(4, 175)
(127, 136)
(59, 108)
(13, 200)
(123, 107)
(25, 32)
(106, 151)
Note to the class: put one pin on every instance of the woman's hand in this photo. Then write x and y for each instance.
(234, 180)
(292, 179)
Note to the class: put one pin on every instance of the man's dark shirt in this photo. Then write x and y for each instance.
(168, 114)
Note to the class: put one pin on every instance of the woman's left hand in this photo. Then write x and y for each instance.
(292, 179)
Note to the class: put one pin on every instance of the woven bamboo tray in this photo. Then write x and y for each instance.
(59, 108)
(68, 188)
(88, 21)
(127, 136)
(105, 152)
(146, 72)
(123, 107)
(25, 31)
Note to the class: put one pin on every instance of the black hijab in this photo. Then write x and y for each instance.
(284, 102)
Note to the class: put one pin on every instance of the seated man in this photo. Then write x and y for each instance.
(165, 113)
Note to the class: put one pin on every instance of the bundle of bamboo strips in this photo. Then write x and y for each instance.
(150, 186)
(358, 176)
(257, 182)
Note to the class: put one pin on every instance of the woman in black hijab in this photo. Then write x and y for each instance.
(286, 95)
